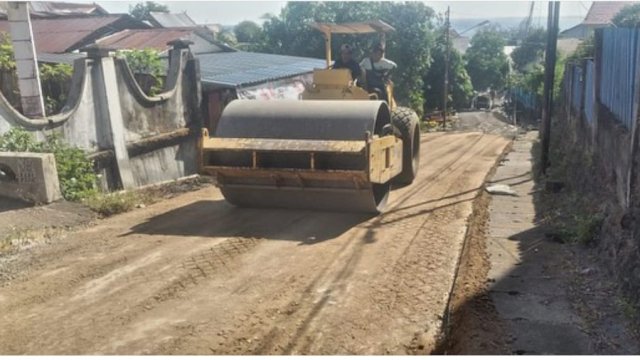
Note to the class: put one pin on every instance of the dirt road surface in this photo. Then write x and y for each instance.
(194, 275)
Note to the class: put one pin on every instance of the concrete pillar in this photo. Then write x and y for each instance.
(111, 111)
(26, 61)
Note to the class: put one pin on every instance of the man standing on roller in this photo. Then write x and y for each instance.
(376, 68)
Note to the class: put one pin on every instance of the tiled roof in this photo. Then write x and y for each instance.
(602, 12)
(234, 69)
(167, 20)
(61, 35)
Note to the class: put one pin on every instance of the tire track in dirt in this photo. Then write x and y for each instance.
(278, 336)
(284, 336)
(312, 311)
(398, 289)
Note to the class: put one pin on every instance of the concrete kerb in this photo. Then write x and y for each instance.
(444, 337)
(29, 176)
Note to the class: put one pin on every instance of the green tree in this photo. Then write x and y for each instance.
(409, 46)
(460, 88)
(7, 61)
(141, 10)
(487, 63)
(585, 49)
(248, 32)
(148, 66)
(629, 16)
(531, 49)
(55, 80)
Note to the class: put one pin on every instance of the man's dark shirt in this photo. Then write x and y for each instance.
(351, 65)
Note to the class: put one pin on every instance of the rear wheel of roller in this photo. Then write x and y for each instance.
(406, 122)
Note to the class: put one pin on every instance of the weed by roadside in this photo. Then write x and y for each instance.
(435, 126)
(110, 204)
(115, 203)
(579, 228)
(23, 238)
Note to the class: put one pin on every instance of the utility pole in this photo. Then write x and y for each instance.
(445, 90)
(515, 110)
(549, 74)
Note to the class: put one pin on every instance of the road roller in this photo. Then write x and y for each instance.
(338, 148)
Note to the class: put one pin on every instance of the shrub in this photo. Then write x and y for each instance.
(75, 170)
(56, 81)
(147, 65)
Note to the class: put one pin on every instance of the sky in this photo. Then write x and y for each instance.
(232, 12)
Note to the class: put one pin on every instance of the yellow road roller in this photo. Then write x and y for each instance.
(339, 148)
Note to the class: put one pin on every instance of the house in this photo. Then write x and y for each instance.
(567, 46)
(458, 42)
(68, 34)
(461, 44)
(600, 15)
(168, 20)
(215, 28)
(158, 38)
(51, 9)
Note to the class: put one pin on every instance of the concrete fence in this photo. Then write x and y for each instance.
(135, 139)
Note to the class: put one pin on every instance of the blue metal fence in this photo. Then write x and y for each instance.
(589, 92)
(577, 87)
(618, 77)
(525, 98)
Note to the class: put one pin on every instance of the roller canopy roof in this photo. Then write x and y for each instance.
(367, 27)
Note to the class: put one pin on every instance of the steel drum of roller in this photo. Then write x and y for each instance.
(331, 180)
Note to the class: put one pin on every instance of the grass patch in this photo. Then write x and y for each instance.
(115, 203)
(581, 229)
(24, 238)
(435, 126)
(628, 309)
(110, 204)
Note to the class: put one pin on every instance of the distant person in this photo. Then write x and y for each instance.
(376, 68)
(346, 62)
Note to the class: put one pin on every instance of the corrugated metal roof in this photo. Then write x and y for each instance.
(602, 12)
(54, 9)
(167, 20)
(143, 39)
(235, 69)
(67, 58)
(62, 34)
